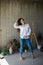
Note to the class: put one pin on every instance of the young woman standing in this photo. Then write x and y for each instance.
(25, 32)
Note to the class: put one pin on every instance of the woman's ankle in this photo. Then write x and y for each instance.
(33, 56)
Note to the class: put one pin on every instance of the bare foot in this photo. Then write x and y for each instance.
(33, 56)
(21, 58)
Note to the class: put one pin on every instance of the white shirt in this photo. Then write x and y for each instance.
(25, 30)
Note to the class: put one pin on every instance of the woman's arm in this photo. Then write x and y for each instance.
(29, 31)
(16, 26)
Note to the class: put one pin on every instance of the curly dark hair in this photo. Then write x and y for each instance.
(19, 21)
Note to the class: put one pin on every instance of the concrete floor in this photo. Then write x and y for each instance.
(14, 59)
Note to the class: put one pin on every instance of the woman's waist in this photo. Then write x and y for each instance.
(24, 37)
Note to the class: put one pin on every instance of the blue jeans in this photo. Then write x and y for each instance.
(27, 43)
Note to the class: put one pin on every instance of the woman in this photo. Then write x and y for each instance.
(25, 32)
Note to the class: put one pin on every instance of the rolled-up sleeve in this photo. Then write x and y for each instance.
(29, 31)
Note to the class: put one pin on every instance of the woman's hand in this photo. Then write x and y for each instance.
(26, 36)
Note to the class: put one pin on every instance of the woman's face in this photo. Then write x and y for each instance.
(22, 22)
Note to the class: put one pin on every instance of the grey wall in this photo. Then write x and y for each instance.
(10, 10)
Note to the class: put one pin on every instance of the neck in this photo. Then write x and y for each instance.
(23, 24)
